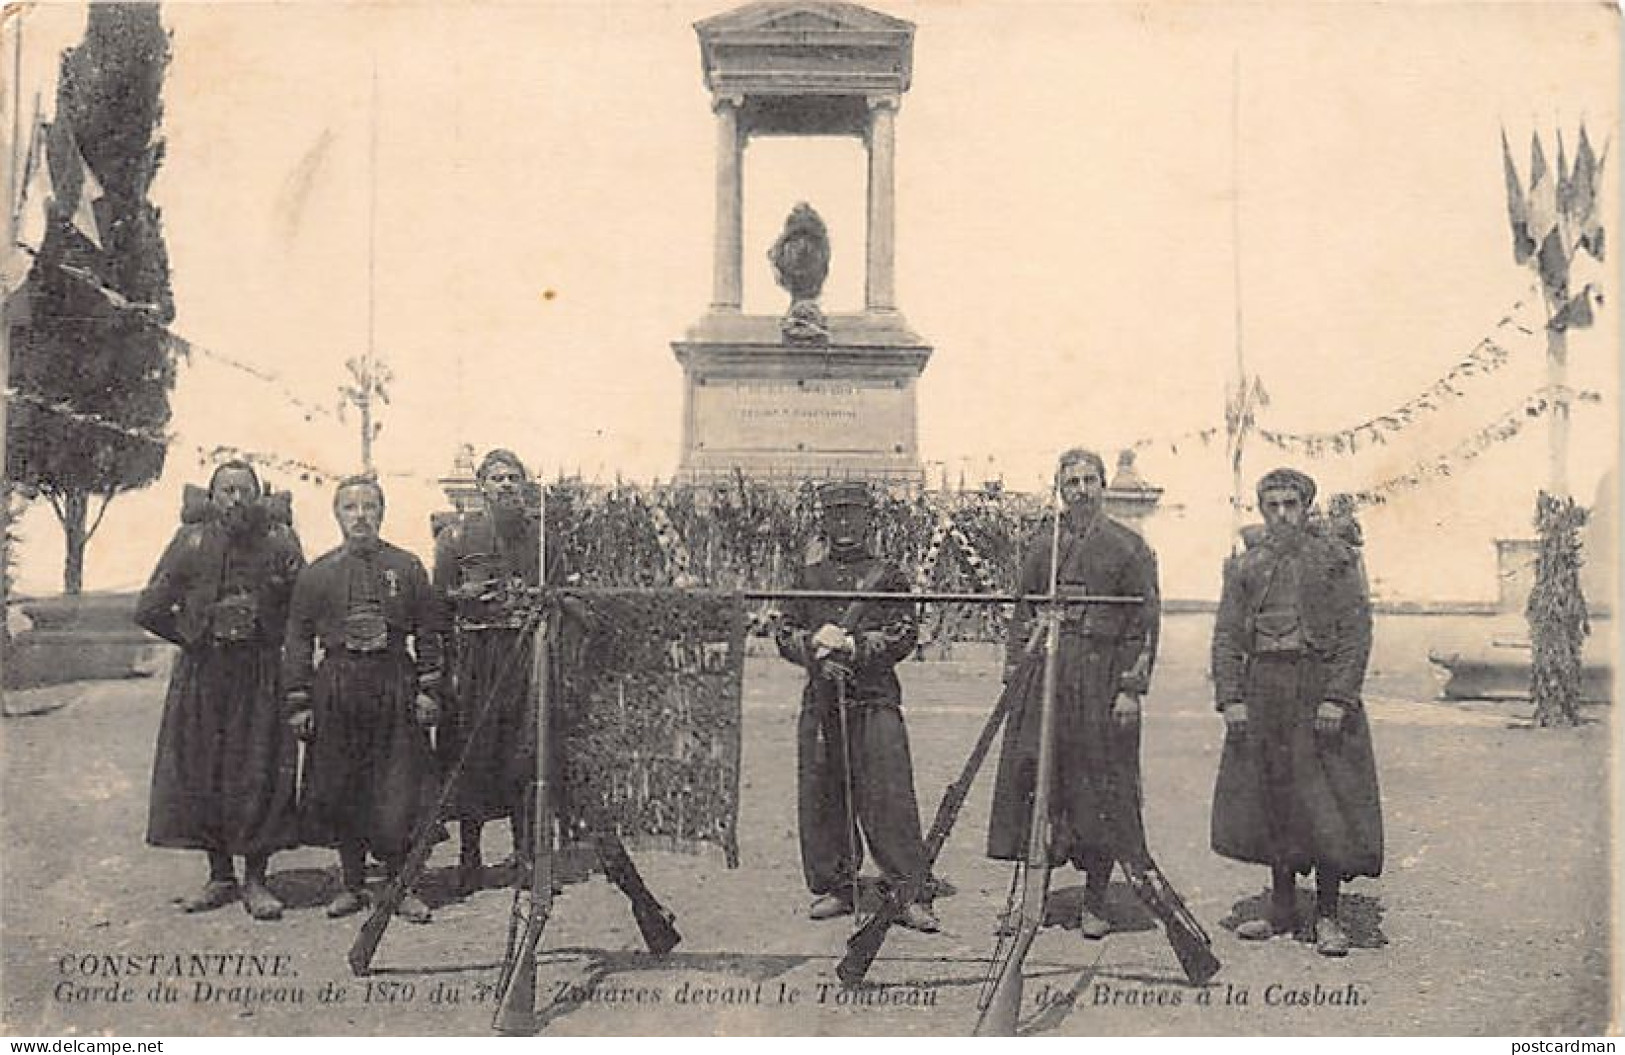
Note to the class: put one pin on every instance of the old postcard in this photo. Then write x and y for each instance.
(463, 461)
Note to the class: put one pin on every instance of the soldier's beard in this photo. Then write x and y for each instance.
(1083, 510)
(1282, 531)
(244, 519)
(507, 515)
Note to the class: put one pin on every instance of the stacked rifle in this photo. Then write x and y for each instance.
(999, 1012)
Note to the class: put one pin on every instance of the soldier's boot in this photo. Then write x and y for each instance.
(1282, 917)
(831, 906)
(258, 900)
(1330, 937)
(919, 916)
(1092, 921)
(221, 889)
(470, 864)
(413, 909)
(353, 874)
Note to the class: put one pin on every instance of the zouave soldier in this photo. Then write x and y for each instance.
(366, 707)
(1297, 783)
(850, 733)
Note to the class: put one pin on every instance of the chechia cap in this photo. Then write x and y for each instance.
(501, 456)
(1300, 482)
(843, 493)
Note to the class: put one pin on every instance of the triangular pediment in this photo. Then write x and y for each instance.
(799, 16)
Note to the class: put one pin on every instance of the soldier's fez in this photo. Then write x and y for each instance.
(843, 493)
(1288, 479)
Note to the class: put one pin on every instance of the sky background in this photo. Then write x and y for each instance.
(1065, 239)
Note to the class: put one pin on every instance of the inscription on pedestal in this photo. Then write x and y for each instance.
(826, 416)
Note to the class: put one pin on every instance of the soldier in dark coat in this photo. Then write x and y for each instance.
(1105, 656)
(476, 559)
(850, 732)
(224, 773)
(1297, 783)
(369, 770)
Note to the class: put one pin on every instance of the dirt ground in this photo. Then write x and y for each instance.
(1492, 916)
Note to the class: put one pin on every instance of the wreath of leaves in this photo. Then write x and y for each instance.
(1558, 622)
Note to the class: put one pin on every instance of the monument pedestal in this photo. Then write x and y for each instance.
(756, 405)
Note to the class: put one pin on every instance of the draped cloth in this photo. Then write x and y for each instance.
(648, 719)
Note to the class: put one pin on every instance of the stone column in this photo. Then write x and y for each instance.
(879, 294)
(725, 284)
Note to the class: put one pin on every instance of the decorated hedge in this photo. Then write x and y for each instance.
(747, 535)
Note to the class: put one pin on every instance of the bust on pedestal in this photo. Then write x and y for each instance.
(805, 394)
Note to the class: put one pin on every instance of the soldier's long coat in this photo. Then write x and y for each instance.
(224, 772)
(1104, 649)
(369, 770)
(1283, 797)
(489, 662)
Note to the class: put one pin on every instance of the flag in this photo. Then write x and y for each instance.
(90, 190)
(1587, 224)
(1562, 178)
(1576, 314)
(1523, 247)
(33, 207)
(1553, 263)
(1542, 202)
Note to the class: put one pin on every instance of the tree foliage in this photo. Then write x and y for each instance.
(76, 347)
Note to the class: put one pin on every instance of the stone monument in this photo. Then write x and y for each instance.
(806, 393)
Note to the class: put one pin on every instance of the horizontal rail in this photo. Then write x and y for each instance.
(863, 595)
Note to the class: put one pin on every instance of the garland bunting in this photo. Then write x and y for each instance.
(1500, 430)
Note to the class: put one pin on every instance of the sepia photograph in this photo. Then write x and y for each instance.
(938, 518)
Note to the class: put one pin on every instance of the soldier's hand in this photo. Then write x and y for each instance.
(1235, 718)
(834, 670)
(303, 724)
(1328, 719)
(831, 638)
(1127, 709)
(426, 709)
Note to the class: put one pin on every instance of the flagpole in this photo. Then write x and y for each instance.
(8, 251)
(1557, 380)
(16, 129)
(372, 274)
(1241, 393)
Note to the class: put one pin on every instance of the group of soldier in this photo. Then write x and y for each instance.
(1297, 784)
(401, 651)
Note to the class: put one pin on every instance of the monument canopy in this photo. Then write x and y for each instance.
(800, 68)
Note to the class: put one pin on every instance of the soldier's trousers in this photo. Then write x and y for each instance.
(884, 816)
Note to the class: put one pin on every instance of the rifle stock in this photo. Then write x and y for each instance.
(1003, 1010)
(515, 1014)
(655, 922)
(366, 942)
(1189, 941)
(864, 945)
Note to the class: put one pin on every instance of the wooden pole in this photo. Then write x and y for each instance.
(1242, 396)
(367, 380)
(13, 180)
(1557, 381)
